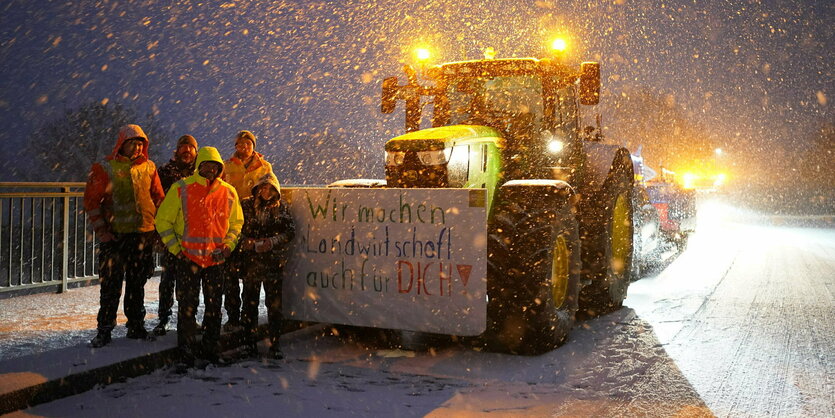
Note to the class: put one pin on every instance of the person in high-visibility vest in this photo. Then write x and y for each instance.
(242, 170)
(121, 199)
(200, 222)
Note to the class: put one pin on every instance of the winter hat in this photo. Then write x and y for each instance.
(268, 178)
(187, 140)
(245, 135)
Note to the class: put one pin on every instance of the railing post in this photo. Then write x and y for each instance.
(65, 244)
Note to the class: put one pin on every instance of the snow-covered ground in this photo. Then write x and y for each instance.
(740, 324)
(613, 366)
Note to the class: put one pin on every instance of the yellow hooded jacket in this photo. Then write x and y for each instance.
(198, 218)
(243, 178)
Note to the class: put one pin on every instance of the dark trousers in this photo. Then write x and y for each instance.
(167, 283)
(253, 278)
(232, 290)
(191, 278)
(129, 259)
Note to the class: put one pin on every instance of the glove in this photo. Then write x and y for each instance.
(221, 254)
(105, 235)
(263, 245)
(248, 244)
(159, 246)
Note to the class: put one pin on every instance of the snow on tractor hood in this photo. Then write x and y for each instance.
(434, 139)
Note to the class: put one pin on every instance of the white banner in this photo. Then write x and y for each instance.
(410, 259)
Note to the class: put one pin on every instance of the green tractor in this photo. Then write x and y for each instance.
(560, 218)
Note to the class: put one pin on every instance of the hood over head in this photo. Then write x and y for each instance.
(130, 132)
(207, 154)
(270, 179)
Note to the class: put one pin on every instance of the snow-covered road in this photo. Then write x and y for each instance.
(748, 315)
(740, 324)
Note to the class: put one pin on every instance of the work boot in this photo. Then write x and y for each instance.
(138, 333)
(100, 340)
(218, 359)
(231, 327)
(187, 356)
(249, 351)
(275, 353)
(161, 328)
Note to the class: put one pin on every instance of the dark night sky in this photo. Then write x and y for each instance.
(755, 76)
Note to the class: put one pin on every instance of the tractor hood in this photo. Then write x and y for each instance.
(435, 139)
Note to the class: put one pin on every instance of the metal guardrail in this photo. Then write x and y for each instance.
(44, 236)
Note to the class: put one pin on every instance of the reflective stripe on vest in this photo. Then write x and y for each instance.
(206, 211)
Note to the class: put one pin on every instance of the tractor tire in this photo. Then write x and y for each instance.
(637, 265)
(533, 273)
(608, 240)
(681, 241)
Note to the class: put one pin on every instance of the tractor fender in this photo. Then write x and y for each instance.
(359, 183)
(600, 160)
(541, 190)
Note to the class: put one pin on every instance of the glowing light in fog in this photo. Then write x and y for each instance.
(422, 54)
(719, 179)
(559, 45)
(688, 180)
(555, 146)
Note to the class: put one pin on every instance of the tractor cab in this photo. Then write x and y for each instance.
(532, 103)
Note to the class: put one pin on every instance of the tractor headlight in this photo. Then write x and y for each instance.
(555, 146)
(395, 157)
(554, 142)
(438, 157)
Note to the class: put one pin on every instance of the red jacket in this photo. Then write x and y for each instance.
(122, 196)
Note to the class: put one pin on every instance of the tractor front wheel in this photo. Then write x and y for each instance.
(533, 271)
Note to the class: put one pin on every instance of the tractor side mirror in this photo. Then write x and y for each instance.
(589, 83)
(389, 97)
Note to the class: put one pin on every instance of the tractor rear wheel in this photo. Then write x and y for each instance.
(533, 272)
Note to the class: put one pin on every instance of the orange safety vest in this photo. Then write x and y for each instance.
(207, 210)
(198, 218)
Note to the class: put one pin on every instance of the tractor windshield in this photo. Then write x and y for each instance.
(507, 103)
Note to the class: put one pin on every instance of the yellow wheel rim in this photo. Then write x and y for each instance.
(559, 272)
(621, 234)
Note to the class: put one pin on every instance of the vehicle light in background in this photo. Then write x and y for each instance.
(719, 179)
(688, 180)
